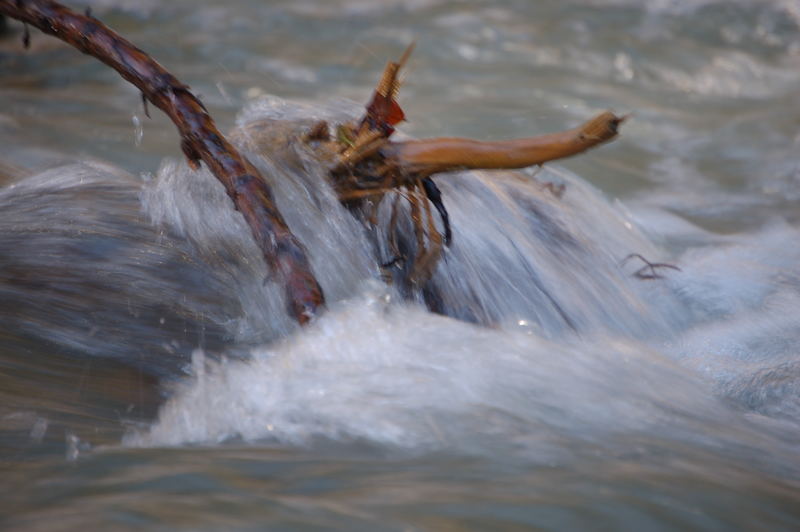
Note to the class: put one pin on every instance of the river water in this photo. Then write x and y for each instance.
(150, 379)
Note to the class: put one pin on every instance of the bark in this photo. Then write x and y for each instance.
(366, 151)
(368, 164)
(436, 155)
(200, 140)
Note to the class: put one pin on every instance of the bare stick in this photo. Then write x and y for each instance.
(201, 141)
(435, 155)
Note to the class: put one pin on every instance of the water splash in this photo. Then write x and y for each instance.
(418, 382)
(579, 351)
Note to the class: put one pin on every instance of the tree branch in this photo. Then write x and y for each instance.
(368, 164)
(436, 155)
(201, 141)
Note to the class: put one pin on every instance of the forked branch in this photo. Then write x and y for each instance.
(369, 164)
(200, 140)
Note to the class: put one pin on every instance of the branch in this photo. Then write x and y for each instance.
(369, 164)
(201, 141)
(436, 155)
(369, 144)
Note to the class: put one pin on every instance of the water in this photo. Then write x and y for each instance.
(149, 378)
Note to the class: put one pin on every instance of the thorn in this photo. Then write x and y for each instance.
(26, 36)
(144, 104)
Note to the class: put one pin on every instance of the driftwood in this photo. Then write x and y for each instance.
(200, 140)
(366, 164)
(369, 165)
(447, 154)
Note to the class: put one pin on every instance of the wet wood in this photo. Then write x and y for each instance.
(201, 141)
(437, 155)
(369, 164)
(365, 163)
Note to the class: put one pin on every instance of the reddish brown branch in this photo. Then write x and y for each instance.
(201, 141)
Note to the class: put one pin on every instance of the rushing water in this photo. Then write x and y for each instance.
(150, 378)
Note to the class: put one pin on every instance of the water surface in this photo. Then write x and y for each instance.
(150, 379)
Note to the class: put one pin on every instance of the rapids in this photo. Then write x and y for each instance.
(151, 379)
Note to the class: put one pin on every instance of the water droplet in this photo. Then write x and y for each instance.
(138, 130)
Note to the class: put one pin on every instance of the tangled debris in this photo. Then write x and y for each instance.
(367, 165)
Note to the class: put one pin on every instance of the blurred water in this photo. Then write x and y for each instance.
(149, 377)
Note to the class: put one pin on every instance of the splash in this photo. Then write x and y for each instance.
(546, 344)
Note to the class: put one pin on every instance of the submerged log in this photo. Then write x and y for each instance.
(200, 140)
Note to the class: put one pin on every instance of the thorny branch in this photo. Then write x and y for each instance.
(200, 140)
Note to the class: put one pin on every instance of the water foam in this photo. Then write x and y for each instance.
(574, 352)
(398, 377)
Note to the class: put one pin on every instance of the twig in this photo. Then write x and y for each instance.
(201, 141)
(642, 273)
